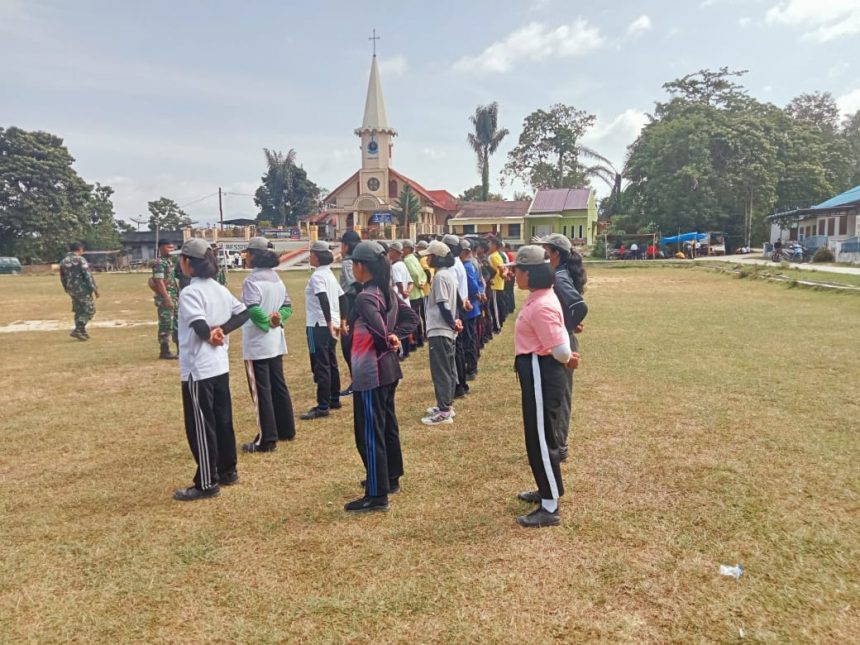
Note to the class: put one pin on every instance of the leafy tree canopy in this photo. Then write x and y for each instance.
(408, 206)
(286, 194)
(166, 215)
(476, 194)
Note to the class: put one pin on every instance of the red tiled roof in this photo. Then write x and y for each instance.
(556, 200)
(445, 199)
(418, 188)
(492, 210)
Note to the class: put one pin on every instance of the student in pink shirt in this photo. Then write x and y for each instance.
(543, 352)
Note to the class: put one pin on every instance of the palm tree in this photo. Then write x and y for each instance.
(485, 140)
(610, 176)
(279, 179)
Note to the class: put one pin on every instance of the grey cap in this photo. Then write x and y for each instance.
(396, 246)
(260, 243)
(195, 248)
(408, 244)
(319, 246)
(451, 240)
(465, 245)
(422, 244)
(436, 248)
(529, 256)
(368, 251)
(557, 240)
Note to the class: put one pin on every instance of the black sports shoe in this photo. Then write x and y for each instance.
(253, 447)
(531, 496)
(562, 453)
(538, 518)
(347, 392)
(459, 393)
(228, 479)
(314, 413)
(367, 504)
(193, 493)
(335, 405)
(393, 485)
(80, 335)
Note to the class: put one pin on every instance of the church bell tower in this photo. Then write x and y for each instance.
(376, 139)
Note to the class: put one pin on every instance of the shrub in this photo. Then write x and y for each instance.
(823, 254)
(599, 250)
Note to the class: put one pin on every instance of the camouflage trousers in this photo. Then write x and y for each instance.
(84, 308)
(167, 325)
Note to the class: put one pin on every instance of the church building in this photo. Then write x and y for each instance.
(368, 200)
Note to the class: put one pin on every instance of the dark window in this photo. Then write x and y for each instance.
(843, 225)
(831, 226)
(821, 224)
(468, 229)
(514, 230)
(580, 231)
(564, 230)
(392, 188)
(792, 234)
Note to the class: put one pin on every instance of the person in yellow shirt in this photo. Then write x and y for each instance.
(497, 305)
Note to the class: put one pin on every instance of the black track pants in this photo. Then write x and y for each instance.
(377, 437)
(208, 416)
(324, 366)
(274, 407)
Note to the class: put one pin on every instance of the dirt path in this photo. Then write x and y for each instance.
(62, 325)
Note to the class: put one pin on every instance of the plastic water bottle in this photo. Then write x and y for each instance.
(733, 572)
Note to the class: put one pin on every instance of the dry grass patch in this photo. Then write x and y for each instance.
(715, 422)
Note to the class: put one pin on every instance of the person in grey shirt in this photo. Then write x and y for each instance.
(348, 241)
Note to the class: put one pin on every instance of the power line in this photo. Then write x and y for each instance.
(198, 200)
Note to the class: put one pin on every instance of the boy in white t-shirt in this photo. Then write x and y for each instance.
(207, 313)
(264, 346)
(322, 308)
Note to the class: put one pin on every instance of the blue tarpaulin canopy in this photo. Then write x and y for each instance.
(684, 237)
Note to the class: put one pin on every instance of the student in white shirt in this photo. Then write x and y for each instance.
(322, 307)
(402, 283)
(207, 313)
(263, 347)
(463, 307)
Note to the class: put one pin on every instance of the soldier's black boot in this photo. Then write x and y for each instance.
(165, 352)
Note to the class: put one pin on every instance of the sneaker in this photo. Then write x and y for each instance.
(460, 392)
(314, 413)
(253, 447)
(434, 410)
(76, 333)
(335, 405)
(193, 493)
(347, 392)
(228, 479)
(393, 485)
(367, 504)
(562, 453)
(438, 419)
(531, 496)
(538, 518)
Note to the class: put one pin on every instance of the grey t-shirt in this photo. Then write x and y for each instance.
(443, 289)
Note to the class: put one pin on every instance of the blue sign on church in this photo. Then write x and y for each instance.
(381, 218)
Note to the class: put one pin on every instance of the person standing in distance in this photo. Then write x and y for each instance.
(163, 283)
(542, 349)
(208, 312)
(348, 241)
(416, 296)
(263, 346)
(323, 297)
(78, 281)
(402, 283)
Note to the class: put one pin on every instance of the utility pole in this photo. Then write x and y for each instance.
(221, 209)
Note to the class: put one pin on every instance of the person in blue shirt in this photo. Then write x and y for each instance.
(470, 319)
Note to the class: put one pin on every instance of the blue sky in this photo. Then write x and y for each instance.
(177, 98)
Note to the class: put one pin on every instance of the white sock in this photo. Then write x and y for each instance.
(549, 505)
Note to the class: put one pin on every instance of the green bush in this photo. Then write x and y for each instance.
(599, 249)
(823, 254)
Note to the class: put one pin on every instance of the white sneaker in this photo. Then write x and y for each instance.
(438, 419)
(433, 411)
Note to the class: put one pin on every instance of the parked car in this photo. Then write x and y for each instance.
(10, 265)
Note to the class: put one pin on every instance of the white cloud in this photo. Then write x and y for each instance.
(611, 138)
(639, 26)
(838, 69)
(744, 22)
(822, 20)
(849, 103)
(536, 42)
(394, 66)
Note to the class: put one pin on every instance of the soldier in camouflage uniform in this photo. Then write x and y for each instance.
(163, 283)
(221, 277)
(79, 283)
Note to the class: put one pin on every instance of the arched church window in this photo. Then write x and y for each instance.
(392, 188)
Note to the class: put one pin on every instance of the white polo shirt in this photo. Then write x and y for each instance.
(462, 279)
(265, 289)
(204, 299)
(399, 273)
(322, 281)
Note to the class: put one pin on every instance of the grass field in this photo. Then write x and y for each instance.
(715, 422)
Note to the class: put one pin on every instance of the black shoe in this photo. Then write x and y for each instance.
(393, 485)
(471, 376)
(80, 335)
(347, 392)
(530, 496)
(335, 405)
(314, 413)
(562, 454)
(539, 517)
(292, 438)
(228, 479)
(459, 393)
(193, 493)
(367, 504)
(253, 447)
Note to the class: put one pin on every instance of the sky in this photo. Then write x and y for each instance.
(177, 99)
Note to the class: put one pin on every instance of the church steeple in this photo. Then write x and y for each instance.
(375, 117)
(376, 135)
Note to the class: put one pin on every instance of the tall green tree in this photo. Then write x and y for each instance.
(485, 141)
(43, 200)
(549, 153)
(103, 231)
(285, 194)
(165, 215)
(408, 206)
(850, 133)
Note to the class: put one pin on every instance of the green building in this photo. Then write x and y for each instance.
(569, 211)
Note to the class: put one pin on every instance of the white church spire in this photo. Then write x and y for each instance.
(375, 117)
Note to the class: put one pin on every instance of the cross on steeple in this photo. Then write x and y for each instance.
(374, 38)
